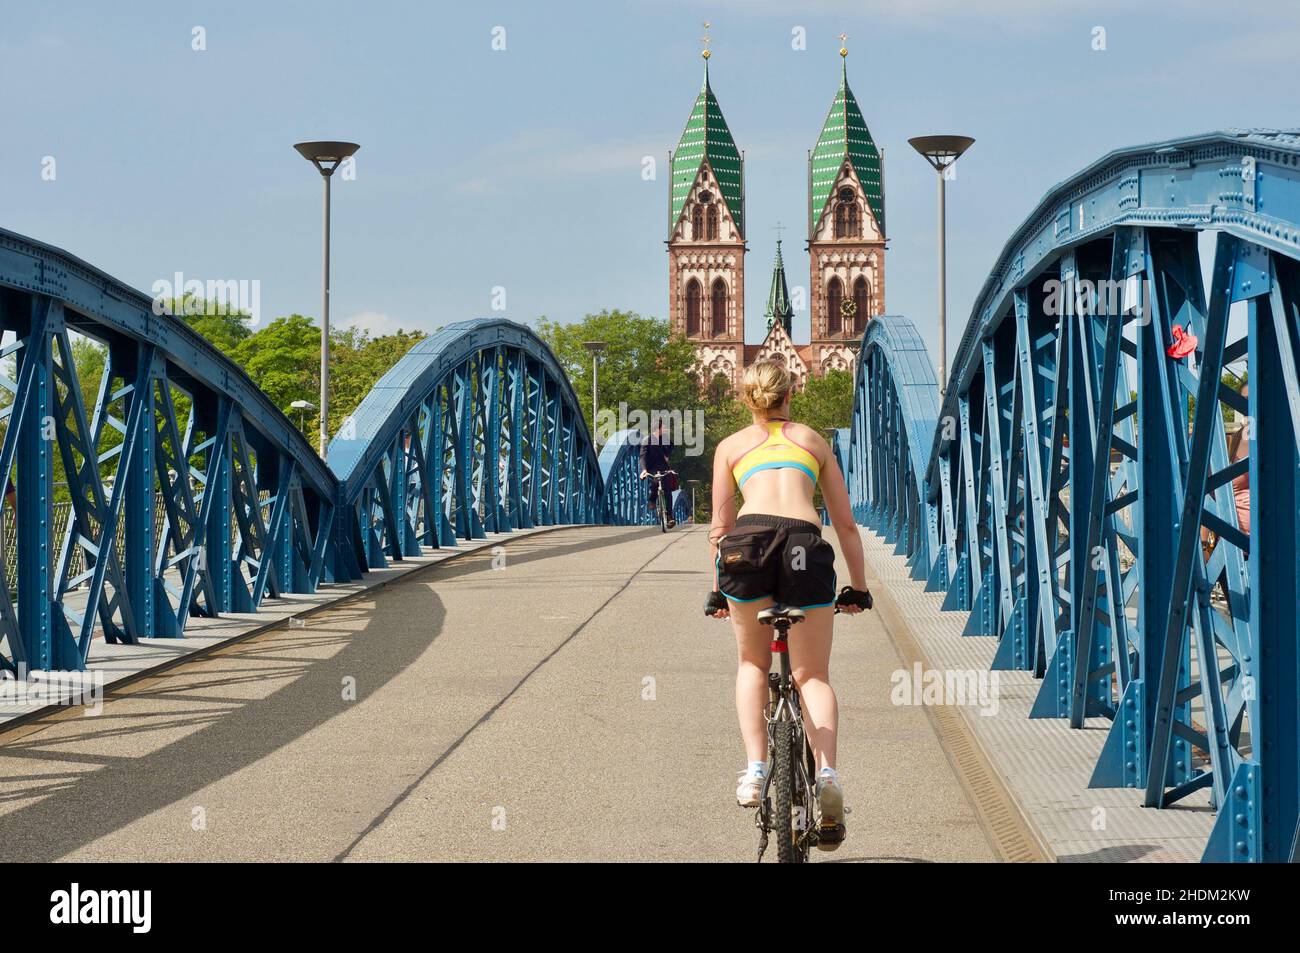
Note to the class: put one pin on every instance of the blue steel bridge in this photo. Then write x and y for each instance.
(1069, 492)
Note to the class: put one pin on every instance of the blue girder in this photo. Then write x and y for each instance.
(624, 501)
(475, 430)
(1078, 456)
(192, 494)
(168, 513)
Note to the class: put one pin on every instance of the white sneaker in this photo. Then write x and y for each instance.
(750, 788)
(831, 811)
(830, 801)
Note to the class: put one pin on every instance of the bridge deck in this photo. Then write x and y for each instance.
(512, 695)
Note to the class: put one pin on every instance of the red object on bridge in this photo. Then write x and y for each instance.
(1184, 343)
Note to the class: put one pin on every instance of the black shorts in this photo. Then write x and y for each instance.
(776, 556)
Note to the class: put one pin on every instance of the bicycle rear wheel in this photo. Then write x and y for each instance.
(783, 781)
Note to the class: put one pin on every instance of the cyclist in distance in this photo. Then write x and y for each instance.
(656, 448)
(775, 553)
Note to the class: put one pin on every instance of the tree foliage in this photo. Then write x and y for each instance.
(643, 366)
(826, 403)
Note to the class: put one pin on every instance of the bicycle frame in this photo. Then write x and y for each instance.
(663, 507)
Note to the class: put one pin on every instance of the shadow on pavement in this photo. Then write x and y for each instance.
(74, 809)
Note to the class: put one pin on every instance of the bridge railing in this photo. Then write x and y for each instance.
(186, 492)
(1077, 492)
(171, 425)
(475, 430)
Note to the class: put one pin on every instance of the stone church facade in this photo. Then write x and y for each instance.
(707, 244)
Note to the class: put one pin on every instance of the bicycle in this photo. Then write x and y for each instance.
(663, 505)
(787, 803)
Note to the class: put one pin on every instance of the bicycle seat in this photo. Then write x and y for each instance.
(774, 614)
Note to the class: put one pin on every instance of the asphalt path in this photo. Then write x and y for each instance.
(560, 697)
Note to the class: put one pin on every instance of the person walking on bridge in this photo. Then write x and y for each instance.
(776, 464)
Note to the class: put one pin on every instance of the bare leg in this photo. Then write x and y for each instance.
(810, 656)
(754, 661)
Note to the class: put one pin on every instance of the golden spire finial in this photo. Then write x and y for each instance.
(844, 50)
(705, 39)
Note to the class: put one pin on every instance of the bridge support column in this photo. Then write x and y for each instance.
(140, 502)
(43, 630)
(218, 541)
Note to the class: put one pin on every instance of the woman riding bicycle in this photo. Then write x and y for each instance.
(781, 558)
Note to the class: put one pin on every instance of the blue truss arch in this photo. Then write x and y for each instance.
(190, 493)
(475, 430)
(1083, 498)
(895, 405)
(623, 502)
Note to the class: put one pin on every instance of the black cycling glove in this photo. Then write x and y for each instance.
(854, 597)
(715, 602)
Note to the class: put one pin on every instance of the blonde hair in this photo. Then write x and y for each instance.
(766, 384)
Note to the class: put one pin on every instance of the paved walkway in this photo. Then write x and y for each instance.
(568, 703)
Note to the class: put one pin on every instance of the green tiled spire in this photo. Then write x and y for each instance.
(778, 299)
(845, 134)
(707, 137)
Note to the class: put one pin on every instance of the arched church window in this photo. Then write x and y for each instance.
(713, 223)
(718, 308)
(834, 307)
(697, 222)
(846, 215)
(862, 302)
(693, 296)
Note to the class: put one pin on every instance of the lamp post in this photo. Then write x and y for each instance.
(595, 347)
(302, 406)
(694, 485)
(326, 157)
(941, 152)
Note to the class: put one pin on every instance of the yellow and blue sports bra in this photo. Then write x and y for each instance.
(777, 451)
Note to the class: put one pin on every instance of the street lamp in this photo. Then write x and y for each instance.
(302, 406)
(595, 347)
(325, 156)
(941, 152)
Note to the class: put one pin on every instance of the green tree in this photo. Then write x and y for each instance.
(357, 362)
(826, 402)
(226, 331)
(644, 366)
(283, 359)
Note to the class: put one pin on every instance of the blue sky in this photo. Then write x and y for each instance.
(522, 168)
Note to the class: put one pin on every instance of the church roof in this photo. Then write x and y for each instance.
(778, 299)
(707, 138)
(845, 136)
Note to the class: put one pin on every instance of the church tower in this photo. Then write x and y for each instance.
(706, 240)
(779, 344)
(846, 232)
(779, 310)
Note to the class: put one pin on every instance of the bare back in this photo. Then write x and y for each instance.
(778, 492)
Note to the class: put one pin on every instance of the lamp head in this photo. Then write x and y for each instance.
(326, 156)
(941, 151)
